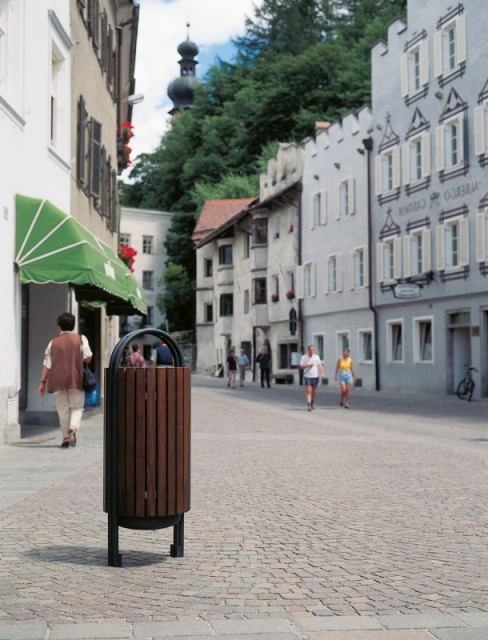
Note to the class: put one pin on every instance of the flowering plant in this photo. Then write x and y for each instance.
(127, 255)
(275, 297)
(290, 294)
(125, 134)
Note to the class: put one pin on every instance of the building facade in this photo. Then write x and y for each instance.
(430, 197)
(64, 75)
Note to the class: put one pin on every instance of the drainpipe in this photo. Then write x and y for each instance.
(368, 145)
(299, 302)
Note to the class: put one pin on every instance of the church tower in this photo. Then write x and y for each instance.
(181, 89)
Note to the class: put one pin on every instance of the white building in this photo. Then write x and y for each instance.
(145, 230)
(334, 276)
(58, 199)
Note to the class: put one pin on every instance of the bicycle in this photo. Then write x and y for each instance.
(466, 387)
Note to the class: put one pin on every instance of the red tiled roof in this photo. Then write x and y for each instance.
(215, 213)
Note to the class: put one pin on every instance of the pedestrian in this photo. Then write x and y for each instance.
(311, 366)
(136, 359)
(264, 359)
(161, 356)
(243, 364)
(345, 370)
(62, 374)
(231, 366)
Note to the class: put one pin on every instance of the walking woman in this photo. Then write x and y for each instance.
(347, 377)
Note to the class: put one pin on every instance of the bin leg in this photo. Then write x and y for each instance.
(114, 557)
(177, 548)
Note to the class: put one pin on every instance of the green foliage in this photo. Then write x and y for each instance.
(178, 300)
(300, 61)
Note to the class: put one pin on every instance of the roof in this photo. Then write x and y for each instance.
(216, 214)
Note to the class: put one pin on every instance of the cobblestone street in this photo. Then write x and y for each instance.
(367, 524)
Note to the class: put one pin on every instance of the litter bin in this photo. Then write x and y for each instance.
(146, 446)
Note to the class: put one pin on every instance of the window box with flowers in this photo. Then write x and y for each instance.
(123, 150)
(127, 255)
(290, 294)
(275, 297)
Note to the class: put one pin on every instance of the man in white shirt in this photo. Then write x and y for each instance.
(311, 366)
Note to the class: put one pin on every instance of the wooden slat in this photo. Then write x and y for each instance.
(129, 479)
(180, 441)
(140, 443)
(121, 415)
(162, 442)
(151, 443)
(187, 439)
(171, 443)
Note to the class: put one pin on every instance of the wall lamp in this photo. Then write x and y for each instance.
(135, 98)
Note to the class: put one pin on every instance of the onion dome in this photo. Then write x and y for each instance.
(181, 90)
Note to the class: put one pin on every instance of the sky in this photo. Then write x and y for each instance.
(162, 27)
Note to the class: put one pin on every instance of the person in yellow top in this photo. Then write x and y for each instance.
(345, 371)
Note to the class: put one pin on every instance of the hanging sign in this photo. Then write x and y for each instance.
(406, 291)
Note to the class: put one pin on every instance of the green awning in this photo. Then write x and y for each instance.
(51, 246)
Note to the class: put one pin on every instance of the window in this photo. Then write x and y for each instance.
(125, 238)
(342, 342)
(260, 291)
(395, 339)
(422, 328)
(246, 301)
(150, 316)
(287, 355)
(318, 209)
(59, 87)
(260, 231)
(276, 226)
(208, 312)
(95, 157)
(148, 280)
(147, 244)
(358, 268)
(388, 260)
(318, 342)
(450, 146)
(333, 274)
(415, 71)
(247, 246)
(416, 253)
(225, 255)
(453, 244)
(365, 346)
(450, 48)
(416, 159)
(387, 167)
(309, 280)
(275, 288)
(208, 267)
(226, 304)
(345, 198)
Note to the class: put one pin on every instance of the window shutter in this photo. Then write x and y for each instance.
(426, 155)
(464, 242)
(480, 238)
(426, 253)
(404, 74)
(112, 223)
(312, 210)
(95, 157)
(438, 54)
(440, 248)
(439, 148)
(406, 163)
(479, 130)
(326, 276)
(323, 208)
(366, 267)
(313, 285)
(80, 155)
(299, 282)
(378, 178)
(397, 258)
(406, 256)
(339, 273)
(351, 269)
(379, 262)
(337, 201)
(461, 39)
(424, 63)
(352, 197)
(396, 167)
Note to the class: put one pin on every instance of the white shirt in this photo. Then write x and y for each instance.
(313, 361)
